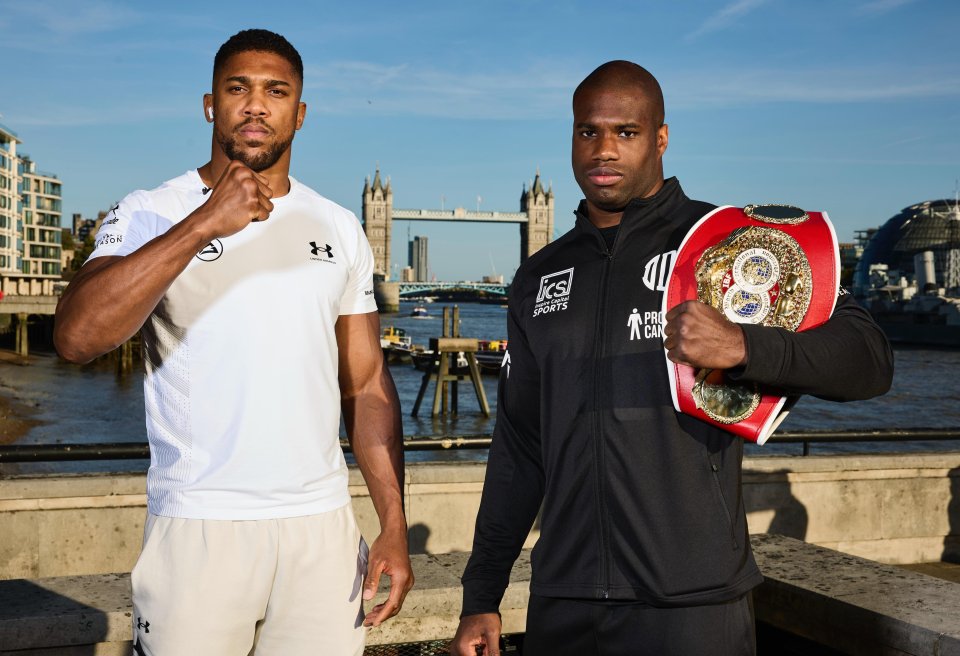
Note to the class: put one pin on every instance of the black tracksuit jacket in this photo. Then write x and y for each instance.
(638, 502)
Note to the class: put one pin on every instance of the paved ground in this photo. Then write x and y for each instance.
(946, 571)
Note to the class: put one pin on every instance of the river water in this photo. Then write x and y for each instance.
(83, 404)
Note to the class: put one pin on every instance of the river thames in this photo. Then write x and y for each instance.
(84, 404)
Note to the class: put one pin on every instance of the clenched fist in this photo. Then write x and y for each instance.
(239, 197)
(697, 335)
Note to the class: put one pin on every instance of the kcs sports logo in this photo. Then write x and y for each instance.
(554, 293)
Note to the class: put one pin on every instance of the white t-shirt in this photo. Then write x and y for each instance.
(241, 389)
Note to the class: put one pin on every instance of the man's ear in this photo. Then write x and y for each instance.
(301, 114)
(663, 138)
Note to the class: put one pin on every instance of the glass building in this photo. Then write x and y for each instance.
(932, 226)
(418, 253)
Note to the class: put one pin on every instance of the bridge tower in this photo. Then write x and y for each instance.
(537, 232)
(378, 222)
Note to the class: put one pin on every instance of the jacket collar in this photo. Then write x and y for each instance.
(640, 212)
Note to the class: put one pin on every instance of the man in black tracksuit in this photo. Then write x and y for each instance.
(643, 543)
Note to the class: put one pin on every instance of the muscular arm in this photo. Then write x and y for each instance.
(111, 297)
(371, 413)
(512, 493)
(847, 358)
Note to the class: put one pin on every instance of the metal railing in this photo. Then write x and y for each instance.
(140, 450)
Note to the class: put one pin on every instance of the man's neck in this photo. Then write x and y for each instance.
(608, 218)
(603, 218)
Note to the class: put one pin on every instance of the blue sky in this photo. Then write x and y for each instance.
(852, 107)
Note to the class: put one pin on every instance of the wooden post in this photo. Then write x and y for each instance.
(444, 364)
(447, 348)
(21, 340)
(125, 358)
(455, 384)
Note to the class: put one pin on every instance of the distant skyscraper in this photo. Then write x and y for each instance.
(417, 252)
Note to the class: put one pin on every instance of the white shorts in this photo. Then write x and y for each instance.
(267, 587)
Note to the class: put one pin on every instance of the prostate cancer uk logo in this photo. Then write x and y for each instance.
(554, 292)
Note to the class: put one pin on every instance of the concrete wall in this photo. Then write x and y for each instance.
(894, 509)
(854, 606)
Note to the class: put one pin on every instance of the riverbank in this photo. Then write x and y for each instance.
(16, 418)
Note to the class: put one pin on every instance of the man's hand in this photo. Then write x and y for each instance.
(239, 197)
(477, 635)
(388, 555)
(699, 336)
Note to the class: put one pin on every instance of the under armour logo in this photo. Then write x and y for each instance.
(326, 248)
(143, 625)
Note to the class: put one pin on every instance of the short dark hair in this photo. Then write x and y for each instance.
(622, 73)
(261, 41)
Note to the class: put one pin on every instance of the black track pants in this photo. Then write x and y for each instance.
(576, 627)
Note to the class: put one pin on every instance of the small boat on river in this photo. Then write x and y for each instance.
(419, 312)
(396, 344)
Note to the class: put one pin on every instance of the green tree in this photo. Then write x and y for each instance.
(82, 253)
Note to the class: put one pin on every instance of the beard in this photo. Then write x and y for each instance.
(257, 161)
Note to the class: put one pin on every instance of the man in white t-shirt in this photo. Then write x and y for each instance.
(255, 299)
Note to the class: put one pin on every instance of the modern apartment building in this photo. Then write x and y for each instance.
(30, 214)
(11, 244)
(42, 214)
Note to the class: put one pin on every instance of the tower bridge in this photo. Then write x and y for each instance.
(535, 219)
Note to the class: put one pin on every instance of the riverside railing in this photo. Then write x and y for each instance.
(140, 450)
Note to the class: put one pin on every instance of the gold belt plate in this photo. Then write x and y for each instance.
(756, 275)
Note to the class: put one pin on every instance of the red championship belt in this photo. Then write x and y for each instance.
(773, 265)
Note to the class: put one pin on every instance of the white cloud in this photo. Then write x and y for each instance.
(882, 6)
(725, 17)
(404, 89)
(70, 18)
(820, 86)
(74, 115)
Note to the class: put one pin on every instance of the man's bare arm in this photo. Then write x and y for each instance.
(110, 298)
(371, 413)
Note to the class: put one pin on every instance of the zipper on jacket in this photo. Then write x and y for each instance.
(715, 468)
(598, 430)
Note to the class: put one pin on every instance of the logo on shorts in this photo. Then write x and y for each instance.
(554, 293)
(211, 251)
(144, 627)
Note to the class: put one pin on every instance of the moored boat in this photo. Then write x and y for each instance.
(396, 344)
